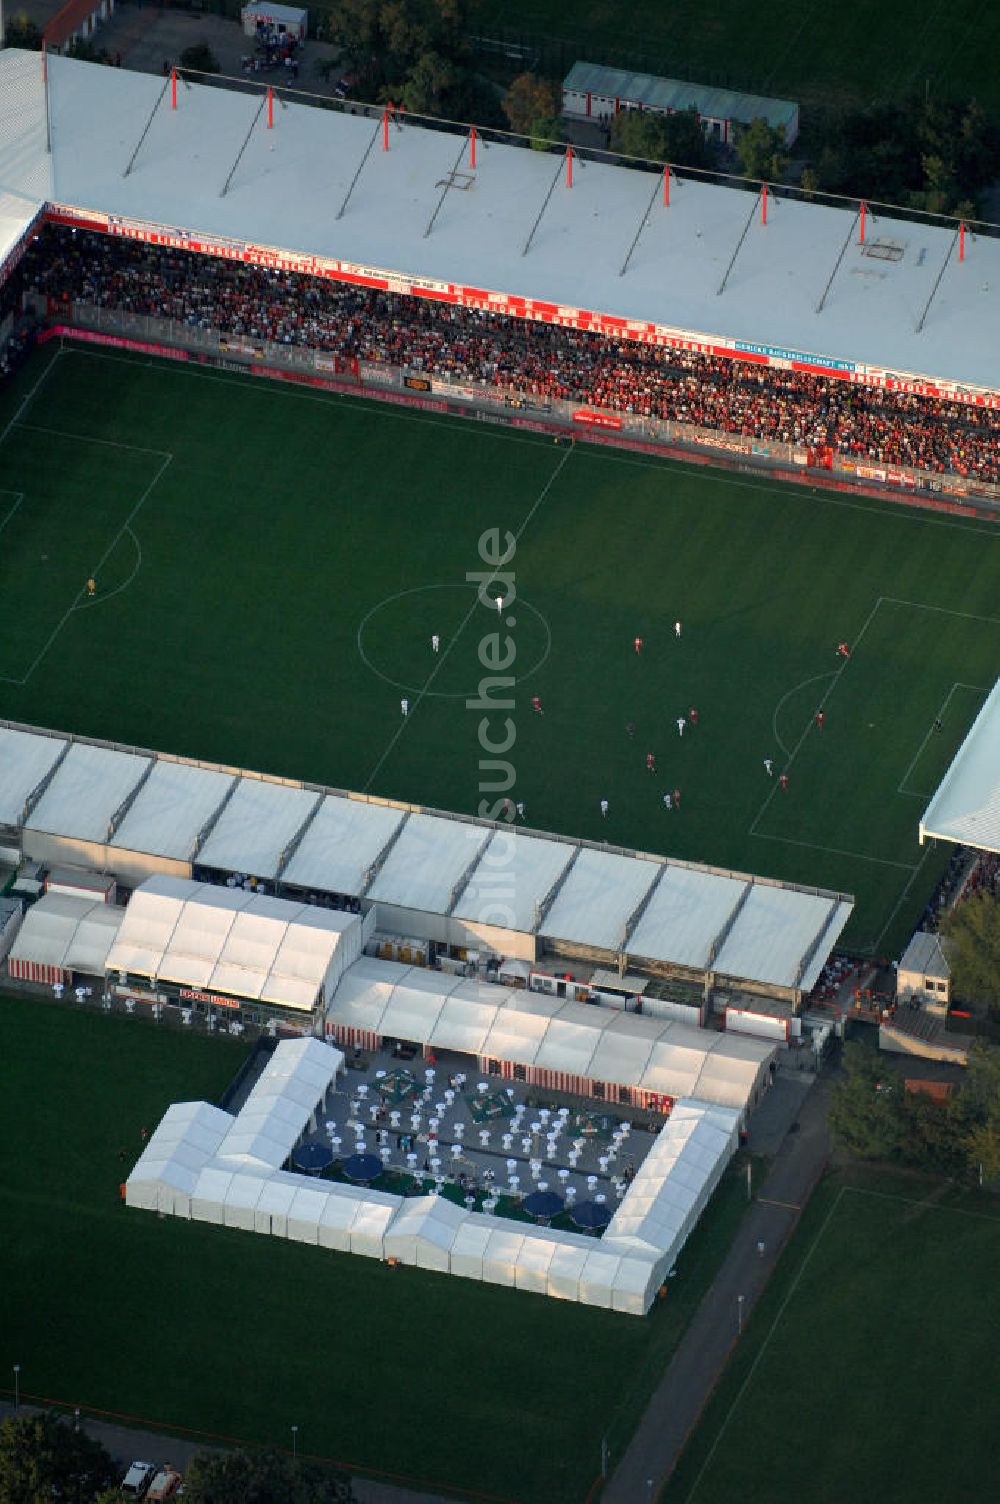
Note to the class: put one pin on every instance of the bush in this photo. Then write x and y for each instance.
(200, 58)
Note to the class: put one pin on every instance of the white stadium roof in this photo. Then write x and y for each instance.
(427, 861)
(291, 183)
(25, 759)
(256, 826)
(171, 810)
(966, 807)
(344, 838)
(668, 912)
(89, 786)
(601, 892)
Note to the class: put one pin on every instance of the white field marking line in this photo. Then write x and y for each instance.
(928, 734)
(788, 696)
(30, 397)
(95, 571)
(892, 600)
(835, 680)
(89, 438)
(695, 469)
(765, 1344)
(858, 856)
(18, 498)
(792, 42)
(901, 899)
(89, 604)
(924, 1204)
(476, 605)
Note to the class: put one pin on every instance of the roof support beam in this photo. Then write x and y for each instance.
(213, 819)
(937, 280)
(726, 929)
(449, 181)
(459, 887)
(836, 265)
(545, 205)
(376, 867)
(293, 844)
(635, 916)
(642, 223)
(43, 783)
(145, 129)
(544, 904)
(814, 943)
(129, 800)
(361, 167)
(246, 142)
(739, 244)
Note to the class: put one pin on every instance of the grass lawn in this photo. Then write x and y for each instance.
(271, 564)
(870, 1368)
(807, 50)
(175, 1324)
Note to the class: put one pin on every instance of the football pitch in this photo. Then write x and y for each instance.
(271, 565)
(869, 1370)
(852, 53)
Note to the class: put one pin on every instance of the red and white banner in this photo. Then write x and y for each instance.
(587, 418)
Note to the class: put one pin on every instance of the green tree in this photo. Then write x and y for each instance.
(867, 1117)
(23, 33)
(43, 1458)
(531, 102)
(678, 139)
(972, 930)
(426, 87)
(261, 1478)
(200, 58)
(761, 150)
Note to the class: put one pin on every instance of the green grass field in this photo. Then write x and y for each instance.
(854, 52)
(441, 1381)
(869, 1371)
(271, 564)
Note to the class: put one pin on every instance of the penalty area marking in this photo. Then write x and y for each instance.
(901, 786)
(448, 694)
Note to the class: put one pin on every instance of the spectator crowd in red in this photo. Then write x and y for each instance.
(532, 359)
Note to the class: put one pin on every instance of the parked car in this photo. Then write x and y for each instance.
(137, 1480)
(166, 1485)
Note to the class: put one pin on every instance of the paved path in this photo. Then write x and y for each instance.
(125, 1445)
(704, 1350)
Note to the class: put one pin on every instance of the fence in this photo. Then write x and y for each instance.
(495, 404)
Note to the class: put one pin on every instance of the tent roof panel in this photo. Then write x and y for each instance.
(426, 862)
(772, 933)
(86, 790)
(25, 759)
(595, 902)
(171, 809)
(684, 916)
(343, 840)
(74, 933)
(256, 826)
(511, 879)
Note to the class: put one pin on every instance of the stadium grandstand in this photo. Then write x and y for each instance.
(618, 303)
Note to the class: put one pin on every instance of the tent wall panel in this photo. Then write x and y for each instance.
(361, 1039)
(397, 921)
(34, 971)
(509, 943)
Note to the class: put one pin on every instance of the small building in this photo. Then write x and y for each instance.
(591, 92)
(286, 20)
(924, 974)
(76, 22)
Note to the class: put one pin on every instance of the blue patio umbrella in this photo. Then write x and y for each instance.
(542, 1204)
(591, 1214)
(312, 1157)
(363, 1167)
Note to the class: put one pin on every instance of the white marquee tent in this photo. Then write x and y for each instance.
(966, 806)
(182, 1145)
(282, 1104)
(240, 943)
(61, 935)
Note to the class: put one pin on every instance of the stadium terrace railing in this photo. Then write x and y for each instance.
(246, 353)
